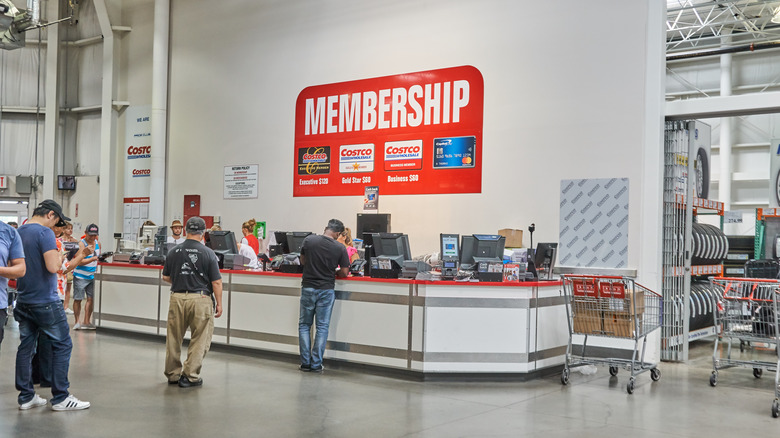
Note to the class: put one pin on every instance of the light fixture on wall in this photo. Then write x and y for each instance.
(776, 16)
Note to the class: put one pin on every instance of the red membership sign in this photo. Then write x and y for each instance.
(413, 133)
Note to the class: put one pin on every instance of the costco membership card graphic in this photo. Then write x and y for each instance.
(412, 133)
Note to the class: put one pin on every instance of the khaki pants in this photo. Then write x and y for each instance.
(196, 312)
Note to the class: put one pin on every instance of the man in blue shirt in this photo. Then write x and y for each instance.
(11, 266)
(40, 313)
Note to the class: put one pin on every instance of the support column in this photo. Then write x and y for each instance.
(726, 166)
(157, 190)
(50, 156)
(108, 195)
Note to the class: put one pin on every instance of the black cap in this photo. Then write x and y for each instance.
(53, 206)
(91, 230)
(196, 224)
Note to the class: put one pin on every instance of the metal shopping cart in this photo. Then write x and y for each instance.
(614, 307)
(747, 313)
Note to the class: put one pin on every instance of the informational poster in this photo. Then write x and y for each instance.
(593, 229)
(3, 182)
(240, 181)
(371, 199)
(412, 133)
(138, 163)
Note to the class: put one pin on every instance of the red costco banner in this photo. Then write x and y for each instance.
(415, 133)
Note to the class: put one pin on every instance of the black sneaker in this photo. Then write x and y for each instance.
(184, 382)
(305, 368)
(318, 369)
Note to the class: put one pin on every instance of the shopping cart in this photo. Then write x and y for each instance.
(614, 307)
(747, 313)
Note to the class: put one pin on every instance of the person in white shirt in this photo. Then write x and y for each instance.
(176, 229)
(248, 252)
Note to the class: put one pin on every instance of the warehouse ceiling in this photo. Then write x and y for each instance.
(693, 25)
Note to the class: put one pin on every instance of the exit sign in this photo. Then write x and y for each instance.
(3, 182)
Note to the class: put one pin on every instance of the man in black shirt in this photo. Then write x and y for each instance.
(320, 256)
(193, 271)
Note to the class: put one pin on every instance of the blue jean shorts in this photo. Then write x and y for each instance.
(83, 288)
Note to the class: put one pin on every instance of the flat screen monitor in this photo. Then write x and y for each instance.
(449, 246)
(281, 239)
(467, 251)
(146, 238)
(66, 182)
(372, 223)
(545, 254)
(295, 241)
(391, 245)
(489, 246)
(223, 242)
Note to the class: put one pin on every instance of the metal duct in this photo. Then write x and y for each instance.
(752, 47)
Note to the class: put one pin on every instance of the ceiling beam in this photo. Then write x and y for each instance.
(724, 106)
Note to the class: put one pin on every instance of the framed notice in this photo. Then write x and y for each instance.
(240, 181)
(371, 199)
(413, 133)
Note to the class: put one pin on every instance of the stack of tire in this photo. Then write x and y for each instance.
(704, 302)
(710, 245)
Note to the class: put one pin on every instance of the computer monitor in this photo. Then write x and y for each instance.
(295, 241)
(146, 238)
(392, 245)
(281, 239)
(223, 242)
(488, 247)
(372, 223)
(159, 240)
(544, 258)
(449, 247)
(467, 251)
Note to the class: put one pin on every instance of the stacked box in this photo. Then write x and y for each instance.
(586, 308)
(619, 309)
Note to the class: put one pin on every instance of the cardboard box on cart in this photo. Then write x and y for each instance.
(586, 308)
(621, 306)
(514, 238)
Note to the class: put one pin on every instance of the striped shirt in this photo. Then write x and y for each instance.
(87, 272)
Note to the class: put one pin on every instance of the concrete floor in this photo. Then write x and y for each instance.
(245, 396)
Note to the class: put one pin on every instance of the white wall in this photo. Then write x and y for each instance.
(559, 103)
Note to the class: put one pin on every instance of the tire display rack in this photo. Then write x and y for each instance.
(691, 251)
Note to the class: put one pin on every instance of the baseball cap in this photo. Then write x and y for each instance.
(57, 209)
(176, 223)
(91, 230)
(196, 224)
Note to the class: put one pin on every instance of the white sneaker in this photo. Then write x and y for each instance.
(36, 402)
(69, 311)
(88, 326)
(70, 404)
(77, 326)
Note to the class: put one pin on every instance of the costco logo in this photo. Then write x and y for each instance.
(140, 173)
(403, 155)
(356, 158)
(134, 152)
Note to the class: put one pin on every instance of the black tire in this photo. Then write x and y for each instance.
(757, 372)
(630, 386)
(655, 374)
(775, 409)
(713, 379)
(701, 170)
(613, 371)
(565, 377)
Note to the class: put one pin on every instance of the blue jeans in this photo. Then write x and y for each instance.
(48, 321)
(317, 302)
(3, 319)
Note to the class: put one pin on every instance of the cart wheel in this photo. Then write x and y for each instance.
(630, 386)
(775, 409)
(655, 374)
(741, 346)
(713, 379)
(757, 372)
(565, 377)
(613, 371)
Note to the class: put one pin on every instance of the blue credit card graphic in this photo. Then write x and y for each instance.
(454, 152)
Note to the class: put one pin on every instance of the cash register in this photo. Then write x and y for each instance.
(224, 245)
(488, 253)
(391, 250)
(287, 253)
